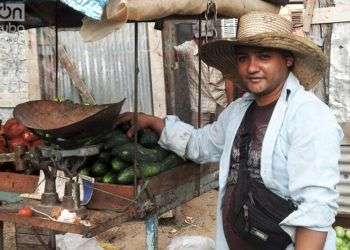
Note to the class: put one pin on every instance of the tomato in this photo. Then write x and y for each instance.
(29, 136)
(25, 212)
(17, 142)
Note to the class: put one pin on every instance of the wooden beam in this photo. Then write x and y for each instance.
(310, 5)
(157, 71)
(169, 41)
(72, 71)
(338, 14)
(32, 65)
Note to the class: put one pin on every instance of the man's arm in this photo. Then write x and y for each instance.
(309, 239)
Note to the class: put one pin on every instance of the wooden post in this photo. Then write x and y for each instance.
(169, 35)
(32, 65)
(157, 71)
(322, 34)
(310, 5)
(72, 71)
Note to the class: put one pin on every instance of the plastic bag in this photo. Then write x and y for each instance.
(71, 241)
(192, 243)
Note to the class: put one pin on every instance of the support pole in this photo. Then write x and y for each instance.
(152, 232)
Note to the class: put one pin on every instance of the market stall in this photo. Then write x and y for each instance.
(66, 146)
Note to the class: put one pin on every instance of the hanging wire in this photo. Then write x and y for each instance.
(199, 110)
(56, 49)
(136, 98)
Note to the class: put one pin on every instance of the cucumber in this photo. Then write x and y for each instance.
(170, 162)
(126, 176)
(151, 169)
(110, 177)
(127, 153)
(105, 157)
(116, 139)
(85, 171)
(149, 139)
(118, 165)
(99, 169)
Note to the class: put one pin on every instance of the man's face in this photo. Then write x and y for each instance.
(262, 70)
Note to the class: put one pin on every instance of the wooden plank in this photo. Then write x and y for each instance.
(103, 200)
(30, 247)
(17, 183)
(342, 220)
(169, 41)
(186, 173)
(32, 65)
(72, 71)
(157, 71)
(310, 5)
(337, 14)
(42, 223)
(31, 239)
(29, 230)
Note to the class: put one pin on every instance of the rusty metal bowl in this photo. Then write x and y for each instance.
(67, 121)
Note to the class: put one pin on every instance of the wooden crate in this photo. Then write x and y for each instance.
(27, 238)
(170, 188)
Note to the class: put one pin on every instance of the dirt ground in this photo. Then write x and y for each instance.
(199, 217)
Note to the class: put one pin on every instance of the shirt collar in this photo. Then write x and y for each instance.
(195, 47)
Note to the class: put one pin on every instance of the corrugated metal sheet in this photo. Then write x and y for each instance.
(344, 185)
(107, 66)
(344, 164)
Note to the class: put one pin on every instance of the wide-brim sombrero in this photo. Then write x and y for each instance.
(260, 29)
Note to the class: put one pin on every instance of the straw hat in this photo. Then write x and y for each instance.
(260, 29)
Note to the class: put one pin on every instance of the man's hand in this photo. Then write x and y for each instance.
(309, 239)
(143, 121)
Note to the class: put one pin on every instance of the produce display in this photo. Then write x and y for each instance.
(343, 238)
(114, 165)
(14, 134)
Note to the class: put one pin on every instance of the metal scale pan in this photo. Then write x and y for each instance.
(67, 124)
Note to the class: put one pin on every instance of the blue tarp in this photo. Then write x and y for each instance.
(90, 8)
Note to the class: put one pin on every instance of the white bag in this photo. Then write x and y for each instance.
(71, 241)
(192, 243)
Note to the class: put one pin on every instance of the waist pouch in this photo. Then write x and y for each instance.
(257, 211)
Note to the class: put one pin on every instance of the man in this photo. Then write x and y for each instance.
(216, 93)
(295, 143)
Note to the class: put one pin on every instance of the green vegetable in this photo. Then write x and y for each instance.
(149, 139)
(85, 171)
(126, 176)
(343, 239)
(150, 169)
(99, 169)
(110, 177)
(127, 153)
(116, 139)
(340, 232)
(98, 179)
(170, 162)
(105, 156)
(118, 165)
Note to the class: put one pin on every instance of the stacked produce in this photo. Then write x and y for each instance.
(343, 238)
(3, 143)
(18, 135)
(115, 163)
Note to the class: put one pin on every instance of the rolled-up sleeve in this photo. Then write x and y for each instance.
(314, 139)
(200, 145)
